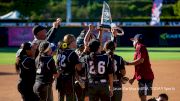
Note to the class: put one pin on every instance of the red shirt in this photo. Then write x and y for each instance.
(143, 70)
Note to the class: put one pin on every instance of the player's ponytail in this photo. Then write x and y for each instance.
(67, 40)
(93, 57)
(111, 56)
(44, 47)
(109, 48)
(62, 46)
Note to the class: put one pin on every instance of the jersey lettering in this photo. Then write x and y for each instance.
(62, 61)
(115, 65)
(101, 67)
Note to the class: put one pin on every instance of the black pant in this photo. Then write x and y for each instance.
(117, 91)
(65, 86)
(98, 91)
(43, 91)
(26, 91)
(145, 87)
(80, 92)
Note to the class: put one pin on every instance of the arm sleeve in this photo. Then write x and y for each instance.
(51, 34)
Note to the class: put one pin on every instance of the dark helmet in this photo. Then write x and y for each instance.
(94, 45)
(53, 47)
(80, 42)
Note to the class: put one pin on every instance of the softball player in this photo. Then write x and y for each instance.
(67, 61)
(119, 70)
(45, 72)
(25, 66)
(99, 73)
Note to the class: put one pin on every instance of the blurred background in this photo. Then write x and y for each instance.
(158, 20)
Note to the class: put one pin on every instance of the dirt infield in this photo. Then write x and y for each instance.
(167, 80)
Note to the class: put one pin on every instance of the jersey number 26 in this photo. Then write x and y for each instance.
(100, 70)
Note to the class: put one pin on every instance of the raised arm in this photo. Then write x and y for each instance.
(88, 34)
(52, 32)
(100, 37)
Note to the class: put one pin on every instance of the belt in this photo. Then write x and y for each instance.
(115, 80)
(99, 81)
(83, 78)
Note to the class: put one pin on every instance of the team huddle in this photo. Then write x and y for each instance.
(84, 68)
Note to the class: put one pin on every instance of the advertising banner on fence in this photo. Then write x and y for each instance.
(156, 11)
(18, 35)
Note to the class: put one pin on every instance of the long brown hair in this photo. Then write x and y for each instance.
(43, 49)
(20, 53)
(109, 48)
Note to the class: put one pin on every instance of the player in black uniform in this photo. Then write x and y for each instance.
(81, 76)
(25, 66)
(119, 70)
(67, 61)
(45, 72)
(99, 73)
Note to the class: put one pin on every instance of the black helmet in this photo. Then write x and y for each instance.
(80, 42)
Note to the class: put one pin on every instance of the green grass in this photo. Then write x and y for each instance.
(7, 55)
(7, 58)
(154, 53)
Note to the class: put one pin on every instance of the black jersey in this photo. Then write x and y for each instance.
(27, 70)
(118, 65)
(45, 69)
(66, 61)
(101, 71)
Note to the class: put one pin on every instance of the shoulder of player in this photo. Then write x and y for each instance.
(140, 46)
(118, 57)
(69, 52)
(47, 58)
(103, 56)
(26, 58)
